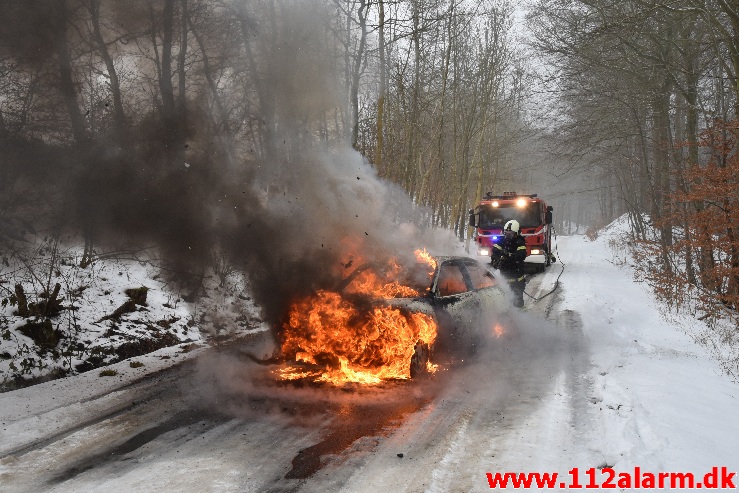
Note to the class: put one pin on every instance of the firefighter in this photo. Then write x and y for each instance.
(508, 256)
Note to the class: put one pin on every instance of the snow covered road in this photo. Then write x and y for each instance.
(590, 376)
(183, 429)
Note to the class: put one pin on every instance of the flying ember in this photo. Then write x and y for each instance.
(349, 334)
(498, 330)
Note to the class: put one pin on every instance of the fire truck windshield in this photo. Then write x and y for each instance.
(496, 217)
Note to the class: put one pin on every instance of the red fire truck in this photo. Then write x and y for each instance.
(533, 215)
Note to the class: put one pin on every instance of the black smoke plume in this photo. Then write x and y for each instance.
(280, 212)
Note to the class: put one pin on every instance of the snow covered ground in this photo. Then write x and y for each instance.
(596, 378)
(91, 329)
(658, 400)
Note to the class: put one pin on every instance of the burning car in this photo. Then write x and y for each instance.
(389, 323)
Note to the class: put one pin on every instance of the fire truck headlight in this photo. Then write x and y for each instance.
(484, 251)
(536, 251)
(495, 204)
(521, 202)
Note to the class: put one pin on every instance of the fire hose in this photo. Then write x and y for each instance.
(556, 282)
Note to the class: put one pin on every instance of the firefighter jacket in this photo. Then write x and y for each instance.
(509, 254)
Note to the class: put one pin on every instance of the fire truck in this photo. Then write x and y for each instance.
(533, 215)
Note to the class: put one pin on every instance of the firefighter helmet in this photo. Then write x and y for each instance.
(512, 225)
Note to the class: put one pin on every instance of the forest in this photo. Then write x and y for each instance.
(124, 123)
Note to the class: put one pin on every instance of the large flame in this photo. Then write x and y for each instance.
(349, 335)
(424, 256)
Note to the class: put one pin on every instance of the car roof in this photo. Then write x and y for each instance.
(447, 258)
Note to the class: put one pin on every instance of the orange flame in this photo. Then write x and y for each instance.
(370, 283)
(424, 256)
(498, 330)
(350, 336)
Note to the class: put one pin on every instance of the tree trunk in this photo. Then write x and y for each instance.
(265, 98)
(413, 120)
(119, 117)
(181, 69)
(356, 70)
(660, 150)
(66, 77)
(173, 140)
(20, 297)
(381, 91)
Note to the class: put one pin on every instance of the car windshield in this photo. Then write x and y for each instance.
(452, 281)
(496, 217)
(389, 281)
(417, 276)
